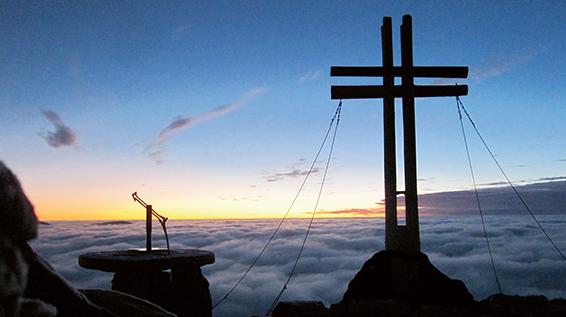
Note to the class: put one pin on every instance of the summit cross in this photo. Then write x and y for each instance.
(399, 237)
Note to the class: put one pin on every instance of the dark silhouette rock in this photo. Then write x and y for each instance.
(373, 307)
(13, 277)
(18, 217)
(396, 275)
(493, 306)
(18, 225)
(189, 294)
(523, 306)
(37, 308)
(123, 304)
(299, 308)
(45, 284)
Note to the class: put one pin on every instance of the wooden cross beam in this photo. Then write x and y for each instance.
(374, 91)
(399, 237)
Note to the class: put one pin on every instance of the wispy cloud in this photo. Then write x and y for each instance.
(182, 28)
(291, 174)
(247, 199)
(310, 76)
(156, 148)
(353, 212)
(530, 181)
(62, 136)
(495, 183)
(492, 66)
(180, 31)
(498, 65)
(552, 178)
(292, 170)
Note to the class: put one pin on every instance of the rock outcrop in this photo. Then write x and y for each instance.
(395, 275)
(13, 277)
(397, 284)
(19, 222)
(493, 306)
(123, 304)
(300, 308)
(523, 306)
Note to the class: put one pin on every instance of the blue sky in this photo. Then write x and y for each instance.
(247, 85)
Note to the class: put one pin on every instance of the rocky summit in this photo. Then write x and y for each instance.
(394, 284)
(493, 306)
(396, 275)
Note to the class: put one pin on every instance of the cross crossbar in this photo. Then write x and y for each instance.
(417, 71)
(372, 91)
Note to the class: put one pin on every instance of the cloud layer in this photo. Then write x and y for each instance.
(156, 148)
(335, 251)
(62, 136)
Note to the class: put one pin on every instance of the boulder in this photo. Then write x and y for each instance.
(371, 308)
(45, 284)
(13, 277)
(123, 304)
(37, 308)
(362, 308)
(300, 309)
(396, 275)
(18, 217)
(524, 306)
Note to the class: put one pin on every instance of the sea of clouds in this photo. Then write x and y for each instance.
(335, 251)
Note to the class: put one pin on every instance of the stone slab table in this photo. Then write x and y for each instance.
(183, 290)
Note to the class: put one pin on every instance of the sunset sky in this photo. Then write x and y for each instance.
(215, 109)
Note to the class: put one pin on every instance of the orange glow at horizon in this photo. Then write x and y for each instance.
(97, 210)
(97, 202)
(139, 214)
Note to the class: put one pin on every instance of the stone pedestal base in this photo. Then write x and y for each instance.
(190, 294)
(183, 291)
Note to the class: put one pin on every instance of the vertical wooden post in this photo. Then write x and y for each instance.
(148, 218)
(390, 168)
(411, 200)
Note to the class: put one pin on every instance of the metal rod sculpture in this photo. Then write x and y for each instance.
(149, 213)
